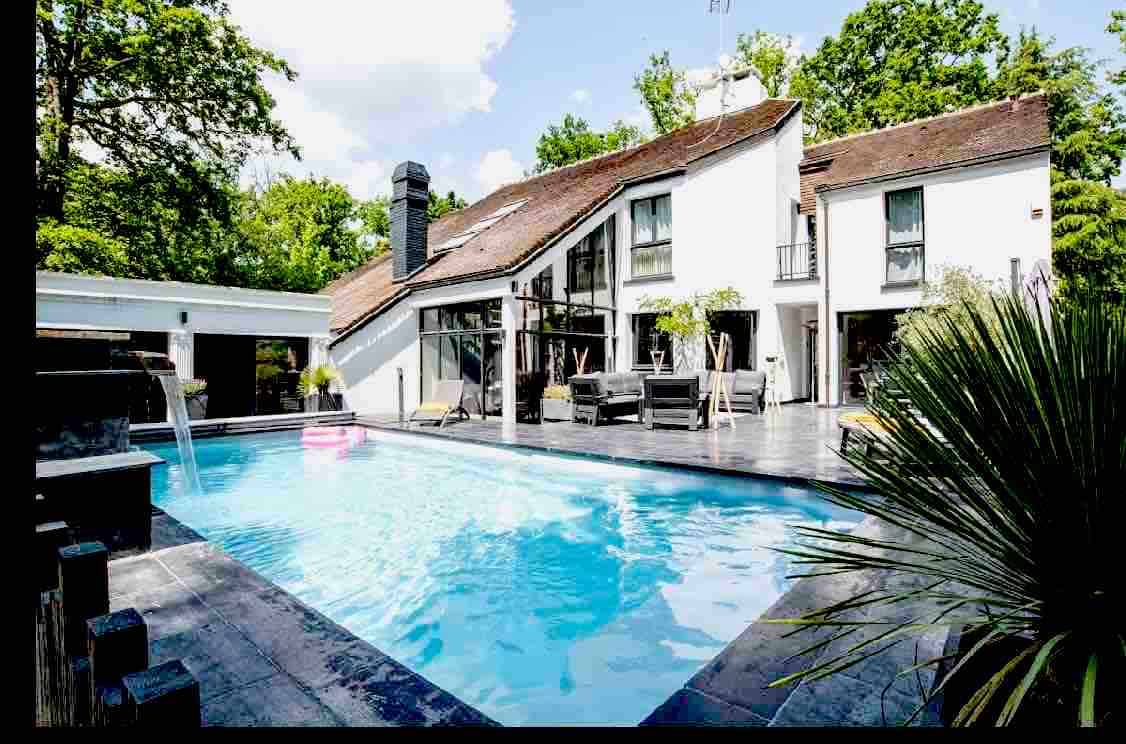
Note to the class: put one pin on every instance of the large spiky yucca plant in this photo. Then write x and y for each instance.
(1004, 461)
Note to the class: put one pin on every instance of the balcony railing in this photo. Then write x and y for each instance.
(797, 261)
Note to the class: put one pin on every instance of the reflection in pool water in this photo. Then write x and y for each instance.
(539, 589)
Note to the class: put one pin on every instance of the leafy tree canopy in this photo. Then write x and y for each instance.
(770, 57)
(149, 83)
(573, 140)
(1087, 124)
(666, 94)
(898, 60)
(375, 224)
(300, 234)
(1089, 237)
(439, 205)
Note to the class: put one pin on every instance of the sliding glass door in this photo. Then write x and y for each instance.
(464, 342)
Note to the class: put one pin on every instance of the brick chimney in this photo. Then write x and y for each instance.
(409, 200)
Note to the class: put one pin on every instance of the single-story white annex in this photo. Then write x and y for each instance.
(221, 334)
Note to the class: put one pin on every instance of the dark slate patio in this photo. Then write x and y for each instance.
(797, 443)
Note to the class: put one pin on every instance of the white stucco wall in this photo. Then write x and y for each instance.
(980, 217)
(368, 359)
(104, 303)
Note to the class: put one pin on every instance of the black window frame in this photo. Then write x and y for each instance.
(919, 244)
(647, 365)
(652, 200)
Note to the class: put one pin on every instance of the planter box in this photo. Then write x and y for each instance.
(316, 403)
(554, 409)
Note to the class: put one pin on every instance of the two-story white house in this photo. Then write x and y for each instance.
(515, 292)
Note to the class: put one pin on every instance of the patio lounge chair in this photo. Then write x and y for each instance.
(604, 395)
(446, 402)
(748, 390)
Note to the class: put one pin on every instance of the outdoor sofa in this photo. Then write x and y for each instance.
(602, 395)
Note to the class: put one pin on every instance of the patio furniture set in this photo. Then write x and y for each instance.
(677, 400)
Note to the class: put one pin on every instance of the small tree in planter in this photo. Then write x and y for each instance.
(685, 321)
(317, 382)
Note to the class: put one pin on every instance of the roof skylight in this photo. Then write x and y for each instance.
(480, 226)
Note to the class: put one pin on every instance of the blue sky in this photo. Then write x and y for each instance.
(467, 87)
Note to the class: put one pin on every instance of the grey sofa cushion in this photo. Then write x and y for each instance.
(749, 382)
(621, 383)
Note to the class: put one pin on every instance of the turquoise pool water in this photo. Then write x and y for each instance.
(539, 589)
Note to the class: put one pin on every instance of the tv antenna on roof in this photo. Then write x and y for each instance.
(723, 75)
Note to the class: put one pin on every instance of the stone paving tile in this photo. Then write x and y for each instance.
(387, 693)
(304, 643)
(167, 610)
(134, 574)
(219, 657)
(841, 700)
(692, 707)
(274, 701)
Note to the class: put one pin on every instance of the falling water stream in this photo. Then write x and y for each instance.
(174, 394)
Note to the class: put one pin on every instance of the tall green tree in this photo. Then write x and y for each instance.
(666, 94)
(573, 140)
(440, 205)
(622, 136)
(145, 224)
(149, 82)
(1087, 124)
(771, 59)
(1117, 26)
(897, 60)
(300, 234)
(1088, 130)
(375, 224)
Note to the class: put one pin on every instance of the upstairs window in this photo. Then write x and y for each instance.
(652, 236)
(904, 249)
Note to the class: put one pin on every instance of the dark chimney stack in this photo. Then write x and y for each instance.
(410, 198)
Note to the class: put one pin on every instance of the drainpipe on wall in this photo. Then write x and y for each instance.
(824, 256)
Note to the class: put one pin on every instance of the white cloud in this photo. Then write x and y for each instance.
(498, 168)
(373, 75)
(581, 96)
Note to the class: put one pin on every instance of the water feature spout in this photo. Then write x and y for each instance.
(164, 369)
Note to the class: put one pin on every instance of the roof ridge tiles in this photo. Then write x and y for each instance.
(924, 120)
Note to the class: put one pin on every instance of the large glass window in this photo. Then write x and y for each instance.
(651, 253)
(463, 342)
(649, 344)
(739, 325)
(566, 319)
(904, 235)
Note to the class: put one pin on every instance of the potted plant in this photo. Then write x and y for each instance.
(195, 398)
(314, 386)
(1001, 460)
(685, 321)
(555, 405)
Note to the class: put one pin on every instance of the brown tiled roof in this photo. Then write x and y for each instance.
(988, 131)
(557, 200)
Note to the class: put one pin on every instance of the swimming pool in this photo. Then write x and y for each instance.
(539, 589)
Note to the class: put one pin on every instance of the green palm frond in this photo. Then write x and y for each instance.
(316, 380)
(1004, 462)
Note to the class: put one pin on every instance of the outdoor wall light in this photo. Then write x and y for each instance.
(184, 317)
